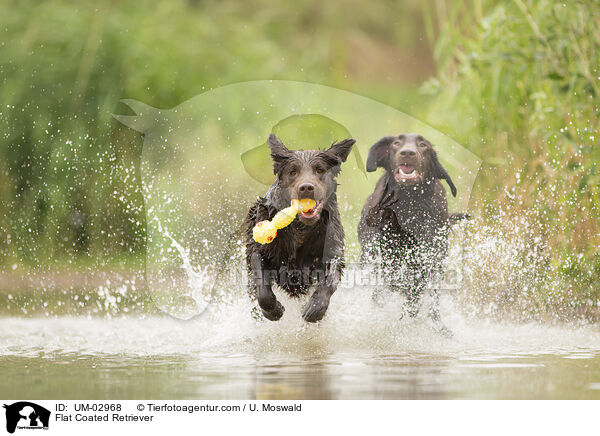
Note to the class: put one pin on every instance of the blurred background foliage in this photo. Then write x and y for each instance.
(514, 81)
(69, 180)
(518, 83)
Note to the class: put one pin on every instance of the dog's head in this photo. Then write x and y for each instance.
(410, 159)
(308, 173)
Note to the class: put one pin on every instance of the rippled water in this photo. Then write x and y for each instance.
(359, 351)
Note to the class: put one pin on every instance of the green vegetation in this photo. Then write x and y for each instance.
(69, 181)
(521, 89)
(516, 81)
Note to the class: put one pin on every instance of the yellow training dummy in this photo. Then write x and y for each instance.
(265, 231)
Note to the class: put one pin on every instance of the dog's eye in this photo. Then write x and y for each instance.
(320, 170)
(422, 144)
(293, 173)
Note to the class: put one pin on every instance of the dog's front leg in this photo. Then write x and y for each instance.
(416, 280)
(332, 266)
(319, 301)
(271, 308)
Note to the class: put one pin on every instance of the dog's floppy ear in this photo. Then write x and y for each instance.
(279, 152)
(339, 151)
(439, 172)
(378, 153)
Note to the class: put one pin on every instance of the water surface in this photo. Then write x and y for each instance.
(359, 351)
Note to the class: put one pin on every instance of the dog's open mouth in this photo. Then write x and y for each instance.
(312, 213)
(406, 172)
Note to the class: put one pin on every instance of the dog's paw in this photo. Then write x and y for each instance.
(275, 313)
(315, 309)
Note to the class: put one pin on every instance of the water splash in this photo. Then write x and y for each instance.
(194, 299)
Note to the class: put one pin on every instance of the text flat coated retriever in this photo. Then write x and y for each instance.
(404, 224)
(310, 251)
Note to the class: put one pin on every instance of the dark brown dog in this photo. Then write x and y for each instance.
(404, 223)
(310, 251)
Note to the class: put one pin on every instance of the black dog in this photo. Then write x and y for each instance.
(404, 223)
(311, 249)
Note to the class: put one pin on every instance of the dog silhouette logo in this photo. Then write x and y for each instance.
(26, 415)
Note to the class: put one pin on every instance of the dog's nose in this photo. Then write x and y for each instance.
(408, 152)
(306, 189)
